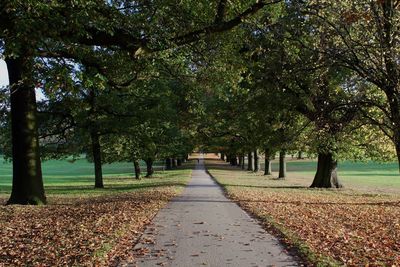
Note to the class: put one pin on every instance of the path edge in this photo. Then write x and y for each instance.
(295, 248)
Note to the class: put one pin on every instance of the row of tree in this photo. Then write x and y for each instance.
(312, 80)
(77, 51)
(125, 81)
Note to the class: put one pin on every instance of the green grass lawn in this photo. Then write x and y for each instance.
(364, 176)
(61, 176)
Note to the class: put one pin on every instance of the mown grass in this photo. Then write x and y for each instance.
(355, 226)
(364, 176)
(77, 177)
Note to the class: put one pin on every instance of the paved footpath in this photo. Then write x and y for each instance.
(203, 228)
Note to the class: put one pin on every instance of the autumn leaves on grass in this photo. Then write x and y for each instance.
(98, 231)
(351, 228)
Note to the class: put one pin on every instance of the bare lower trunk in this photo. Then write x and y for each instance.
(173, 161)
(179, 162)
(137, 168)
(149, 167)
(168, 164)
(267, 170)
(326, 176)
(249, 161)
(243, 163)
(223, 156)
(240, 161)
(397, 146)
(233, 160)
(282, 164)
(256, 161)
(27, 186)
(300, 155)
(96, 151)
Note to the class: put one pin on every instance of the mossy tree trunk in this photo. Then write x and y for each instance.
(168, 164)
(326, 176)
(137, 168)
(173, 163)
(149, 167)
(267, 161)
(240, 161)
(249, 161)
(256, 161)
(282, 164)
(96, 151)
(27, 185)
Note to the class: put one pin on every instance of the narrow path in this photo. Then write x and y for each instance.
(204, 228)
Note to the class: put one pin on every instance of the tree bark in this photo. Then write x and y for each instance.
(256, 161)
(397, 146)
(27, 186)
(137, 168)
(222, 156)
(149, 167)
(300, 155)
(168, 164)
(96, 151)
(233, 160)
(326, 176)
(243, 163)
(267, 160)
(240, 161)
(179, 162)
(249, 162)
(173, 161)
(282, 164)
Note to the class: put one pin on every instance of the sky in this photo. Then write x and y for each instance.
(4, 79)
(3, 73)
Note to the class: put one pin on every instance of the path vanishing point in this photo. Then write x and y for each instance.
(202, 227)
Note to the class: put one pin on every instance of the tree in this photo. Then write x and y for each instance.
(363, 37)
(29, 30)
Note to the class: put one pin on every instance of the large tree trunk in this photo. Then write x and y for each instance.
(282, 164)
(249, 162)
(397, 145)
(267, 169)
(222, 156)
(179, 162)
(27, 186)
(256, 161)
(149, 167)
(326, 176)
(96, 151)
(243, 162)
(137, 168)
(168, 164)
